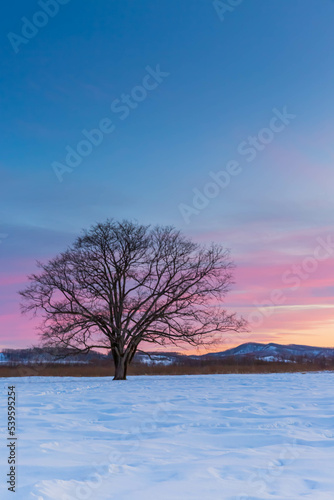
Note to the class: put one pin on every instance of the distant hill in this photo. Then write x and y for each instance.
(250, 351)
(274, 352)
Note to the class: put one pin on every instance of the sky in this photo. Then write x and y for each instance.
(214, 117)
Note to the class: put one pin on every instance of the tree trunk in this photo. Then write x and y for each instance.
(121, 365)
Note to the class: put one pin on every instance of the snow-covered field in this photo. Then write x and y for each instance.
(240, 437)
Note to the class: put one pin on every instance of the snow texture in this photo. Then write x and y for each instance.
(224, 437)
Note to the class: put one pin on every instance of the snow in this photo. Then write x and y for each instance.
(156, 360)
(269, 358)
(272, 358)
(216, 437)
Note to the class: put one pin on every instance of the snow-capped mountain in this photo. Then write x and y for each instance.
(274, 352)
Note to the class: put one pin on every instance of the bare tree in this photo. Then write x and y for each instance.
(122, 284)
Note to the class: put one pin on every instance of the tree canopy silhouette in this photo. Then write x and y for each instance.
(122, 284)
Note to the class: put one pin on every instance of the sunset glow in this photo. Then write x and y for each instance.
(229, 138)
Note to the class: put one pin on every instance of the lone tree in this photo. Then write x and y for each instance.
(122, 284)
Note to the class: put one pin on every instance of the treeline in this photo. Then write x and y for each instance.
(104, 367)
(49, 355)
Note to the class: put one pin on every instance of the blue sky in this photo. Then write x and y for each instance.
(224, 80)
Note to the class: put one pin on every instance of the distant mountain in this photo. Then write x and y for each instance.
(251, 351)
(274, 352)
